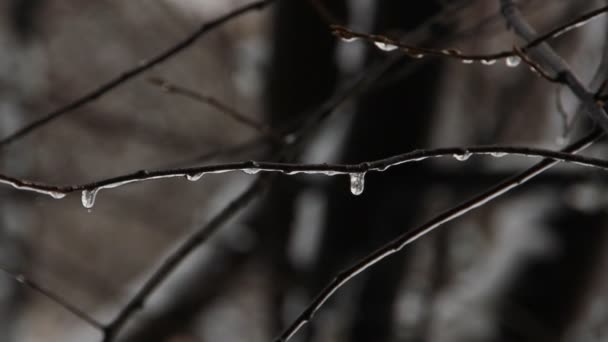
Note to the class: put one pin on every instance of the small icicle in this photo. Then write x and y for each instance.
(349, 39)
(57, 194)
(498, 154)
(357, 183)
(250, 171)
(467, 61)
(88, 198)
(488, 61)
(193, 177)
(385, 46)
(462, 156)
(513, 61)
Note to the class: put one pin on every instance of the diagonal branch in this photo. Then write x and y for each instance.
(414, 234)
(546, 56)
(53, 297)
(131, 73)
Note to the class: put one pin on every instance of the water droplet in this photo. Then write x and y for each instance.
(512, 61)
(88, 198)
(498, 154)
(385, 46)
(20, 278)
(488, 61)
(417, 55)
(467, 61)
(193, 177)
(250, 171)
(57, 194)
(349, 39)
(454, 52)
(462, 156)
(357, 183)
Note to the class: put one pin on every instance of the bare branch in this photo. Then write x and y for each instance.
(547, 56)
(172, 88)
(54, 298)
(131, 73)
(175, 258)
(388, 44)
(409, 237)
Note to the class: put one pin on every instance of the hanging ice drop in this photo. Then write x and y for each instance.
(88, 198)
(357, 183)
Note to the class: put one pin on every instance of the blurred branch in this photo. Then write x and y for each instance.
(53, 297)
(387, 44)
(175, 258)
(547, 56)
(217, 104)
(407, 238)
(131, 73)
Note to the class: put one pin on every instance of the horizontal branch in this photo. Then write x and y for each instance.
(131, 73)
(512, 57)
(90, 190)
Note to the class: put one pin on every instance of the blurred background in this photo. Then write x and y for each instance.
(527, 267)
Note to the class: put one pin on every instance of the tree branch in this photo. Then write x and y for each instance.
(547, 57)
(131, 73)
(90, 190)
(409, 237)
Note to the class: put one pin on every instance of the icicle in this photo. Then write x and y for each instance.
(462, 156)
(467, 61)
(193, 177)
(488, 61)
(357, 183)
(385, 46)
(498, 154)
(88, 198)
(57, 194)
(250, 171)
(349, 39)
(512, 61)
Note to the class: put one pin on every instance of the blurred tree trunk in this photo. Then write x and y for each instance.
(18, 21)
(547, 294)
(303, 74)
(389, 120)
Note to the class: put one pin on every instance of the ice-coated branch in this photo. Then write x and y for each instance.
(549, 59)
(53, 297)
(412, 235)
(90, 190)
(137, 70)
(512, 58)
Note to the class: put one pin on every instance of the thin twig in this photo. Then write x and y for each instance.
(389, 44)
(409, 237)
(173, 88)
(537, 68)
(175, 258)
(546, 56)
(131, 73)
(53, 297)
